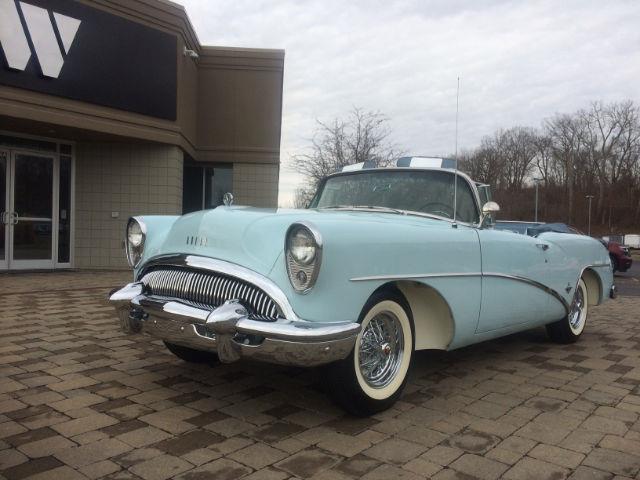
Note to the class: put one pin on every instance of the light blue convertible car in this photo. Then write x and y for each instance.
(384, 262)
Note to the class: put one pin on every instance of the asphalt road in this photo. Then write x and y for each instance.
(628, 283)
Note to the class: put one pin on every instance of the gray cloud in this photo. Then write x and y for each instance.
(519, 62)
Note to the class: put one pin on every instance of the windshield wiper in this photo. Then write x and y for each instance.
(426, 215)
(375, 208)
(385, 210)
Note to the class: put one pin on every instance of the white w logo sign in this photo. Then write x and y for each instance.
(51, 35)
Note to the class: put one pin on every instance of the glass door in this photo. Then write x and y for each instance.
(31, 218)
(4, 207)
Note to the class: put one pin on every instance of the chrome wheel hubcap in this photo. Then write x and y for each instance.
(381, 350)
(575, 316)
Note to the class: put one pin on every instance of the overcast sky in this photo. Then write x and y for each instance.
(519, 62)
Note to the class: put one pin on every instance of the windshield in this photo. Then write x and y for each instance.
(421, 191)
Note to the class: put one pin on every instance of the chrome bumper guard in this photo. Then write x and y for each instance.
(613, 293)
(228, 330)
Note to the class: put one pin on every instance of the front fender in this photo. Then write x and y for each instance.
(356, 262)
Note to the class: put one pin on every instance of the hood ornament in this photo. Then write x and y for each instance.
(227, 199)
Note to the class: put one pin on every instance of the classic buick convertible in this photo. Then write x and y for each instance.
(384, 262)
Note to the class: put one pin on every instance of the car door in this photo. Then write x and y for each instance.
(514, 271)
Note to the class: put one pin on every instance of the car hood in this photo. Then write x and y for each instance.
(254, 237)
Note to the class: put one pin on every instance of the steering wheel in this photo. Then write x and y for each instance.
(437, 208)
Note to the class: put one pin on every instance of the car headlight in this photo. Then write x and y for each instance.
(136, 236)
(303, 254)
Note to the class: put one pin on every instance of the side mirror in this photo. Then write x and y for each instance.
(488, 209)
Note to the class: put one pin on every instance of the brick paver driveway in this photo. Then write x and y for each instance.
(79, 399)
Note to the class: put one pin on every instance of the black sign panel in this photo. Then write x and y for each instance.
(107, 60)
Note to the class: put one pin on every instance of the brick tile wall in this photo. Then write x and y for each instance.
(255, 184)
(131, 179)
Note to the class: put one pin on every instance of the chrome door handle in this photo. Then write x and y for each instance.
(542, 246)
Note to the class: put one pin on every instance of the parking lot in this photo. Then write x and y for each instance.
(78, 399)
(629, 282)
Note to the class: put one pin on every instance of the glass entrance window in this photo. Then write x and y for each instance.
(33, 207)
(218, 181)
(192, 189)
(36, 202)
(64, 210)
(205, 185)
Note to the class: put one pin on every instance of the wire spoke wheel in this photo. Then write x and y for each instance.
(577, 309)
(381, 350)
(372, 377)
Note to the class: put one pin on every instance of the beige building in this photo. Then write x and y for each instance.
(112, 108)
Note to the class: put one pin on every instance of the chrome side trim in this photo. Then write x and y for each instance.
(534, 283)
(415, 275)
(227, 268)
(516, 278)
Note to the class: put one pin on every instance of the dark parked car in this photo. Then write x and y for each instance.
(620, 257)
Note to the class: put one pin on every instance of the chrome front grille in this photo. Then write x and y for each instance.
(209, 289)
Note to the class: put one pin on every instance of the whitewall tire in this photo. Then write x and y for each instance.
(569, 329)
(373, 376)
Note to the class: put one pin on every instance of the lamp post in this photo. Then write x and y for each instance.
(589, 197)
(537, 182)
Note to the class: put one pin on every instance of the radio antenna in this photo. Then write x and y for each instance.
(455, 177)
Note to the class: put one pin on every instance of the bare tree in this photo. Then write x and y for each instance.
(594, 151)
(361, 136)
(609, 137)
(302, 197)
(564, 131)
(545, 160)
(518, 149)
(483, 164)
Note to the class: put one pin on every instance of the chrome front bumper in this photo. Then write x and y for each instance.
(228, 330)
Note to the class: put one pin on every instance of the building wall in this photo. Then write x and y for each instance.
(130, 179)
(255, 184)
(228, 103)
(228, 110)
(239, 105)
